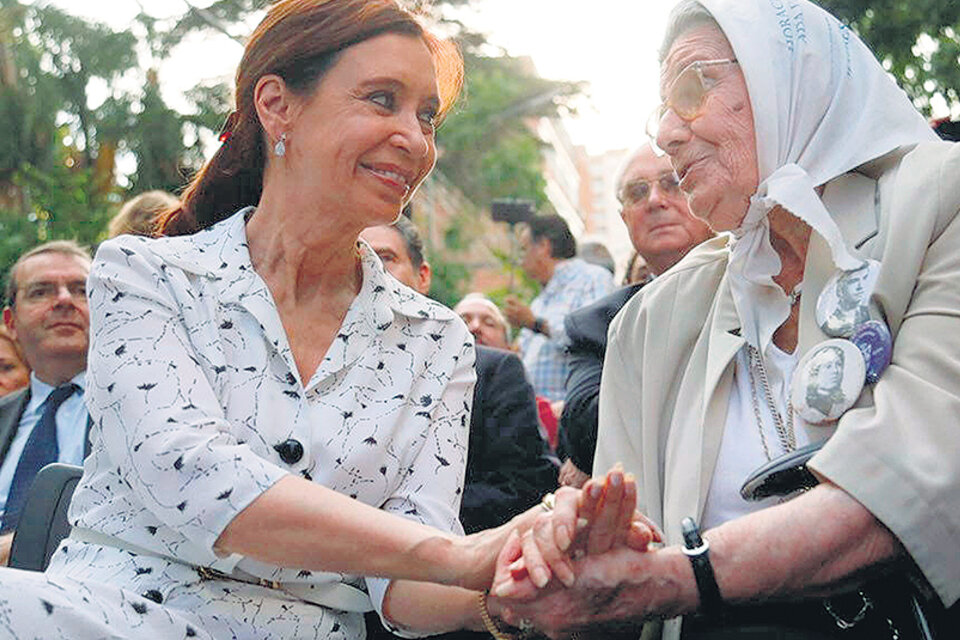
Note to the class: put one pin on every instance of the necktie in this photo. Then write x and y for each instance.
(41, 449)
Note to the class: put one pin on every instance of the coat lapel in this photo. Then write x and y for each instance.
(852, 201)
(10, 412)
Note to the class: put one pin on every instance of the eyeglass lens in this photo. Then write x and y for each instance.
(638, 191)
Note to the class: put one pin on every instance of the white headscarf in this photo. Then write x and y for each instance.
(822, 105)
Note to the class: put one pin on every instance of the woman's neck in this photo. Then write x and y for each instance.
(790, 237)
(302, 253)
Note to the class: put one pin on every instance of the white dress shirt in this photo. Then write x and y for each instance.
(71, 430)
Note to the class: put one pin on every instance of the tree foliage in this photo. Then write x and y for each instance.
(919, 40)
(78, 97)
(488, 147)
(67, 123)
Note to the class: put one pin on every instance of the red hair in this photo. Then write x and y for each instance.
(298, 40)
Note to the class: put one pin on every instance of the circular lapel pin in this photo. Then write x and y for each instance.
(844, 302)
(874, 341)
(828, 381)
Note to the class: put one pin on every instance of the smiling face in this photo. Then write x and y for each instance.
(364, 139)
(660, 225)
(50, 318)
(715, 152)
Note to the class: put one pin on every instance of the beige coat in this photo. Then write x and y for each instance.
(670, 361)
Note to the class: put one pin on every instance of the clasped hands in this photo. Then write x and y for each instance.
(558, 575)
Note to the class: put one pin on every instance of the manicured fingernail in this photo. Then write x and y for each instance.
(563, 538)
(568, 579)
(502, 590)
(616, 479)
(595, 491)
(540, 577)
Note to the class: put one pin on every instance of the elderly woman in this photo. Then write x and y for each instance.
(785, 131)
(280, 428)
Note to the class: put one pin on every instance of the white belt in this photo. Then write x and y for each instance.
(333, 595)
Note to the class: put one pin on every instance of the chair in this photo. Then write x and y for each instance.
(43, 522)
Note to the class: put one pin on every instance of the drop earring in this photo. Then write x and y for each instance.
(280, 149)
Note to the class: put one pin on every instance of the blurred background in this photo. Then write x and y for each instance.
(105, 99)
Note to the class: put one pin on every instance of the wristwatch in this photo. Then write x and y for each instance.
(698, 550)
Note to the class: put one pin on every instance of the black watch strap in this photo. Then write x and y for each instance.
(698, 550)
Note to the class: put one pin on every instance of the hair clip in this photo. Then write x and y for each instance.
(226, 131)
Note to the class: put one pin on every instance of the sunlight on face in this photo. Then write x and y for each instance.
(364, 141)
(714, 154)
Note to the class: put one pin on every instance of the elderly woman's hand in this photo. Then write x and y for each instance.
(600, 517)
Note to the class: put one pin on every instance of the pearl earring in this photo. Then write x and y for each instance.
(280, 149)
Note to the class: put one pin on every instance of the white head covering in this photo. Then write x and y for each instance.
(822, 105)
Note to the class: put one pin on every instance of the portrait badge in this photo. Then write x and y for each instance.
(874, 341)
(844, 302)
(828, 381)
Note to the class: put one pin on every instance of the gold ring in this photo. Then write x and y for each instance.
(548, 502)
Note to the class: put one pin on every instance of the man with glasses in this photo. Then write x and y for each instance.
(47, 421)
(662, 231)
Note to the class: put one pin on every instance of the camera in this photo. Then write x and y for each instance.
(511, 210)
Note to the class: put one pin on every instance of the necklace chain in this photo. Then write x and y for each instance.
(785, 432)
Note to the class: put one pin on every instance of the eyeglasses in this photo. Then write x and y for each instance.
(686, 94)
(637, 191)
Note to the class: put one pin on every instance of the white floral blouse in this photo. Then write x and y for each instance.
(198, 408)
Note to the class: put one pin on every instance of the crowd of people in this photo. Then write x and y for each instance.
(283, 436)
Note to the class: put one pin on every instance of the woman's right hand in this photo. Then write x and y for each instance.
(600, 517)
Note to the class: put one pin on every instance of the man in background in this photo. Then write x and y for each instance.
(508, 469)
(484, 320)
(47, 421)
(569, 283)
(662, 231)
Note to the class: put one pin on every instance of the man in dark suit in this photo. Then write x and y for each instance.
(47, 421)
(662, 231)
(508, 465)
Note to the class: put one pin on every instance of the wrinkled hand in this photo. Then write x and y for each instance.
(571, 476)
(593, 521)
(519, 314)
(596, 599)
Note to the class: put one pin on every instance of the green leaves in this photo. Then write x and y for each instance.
(918, 41)
(489, 148)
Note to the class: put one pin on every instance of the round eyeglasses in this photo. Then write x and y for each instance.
(686, 94)
(638, 191)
